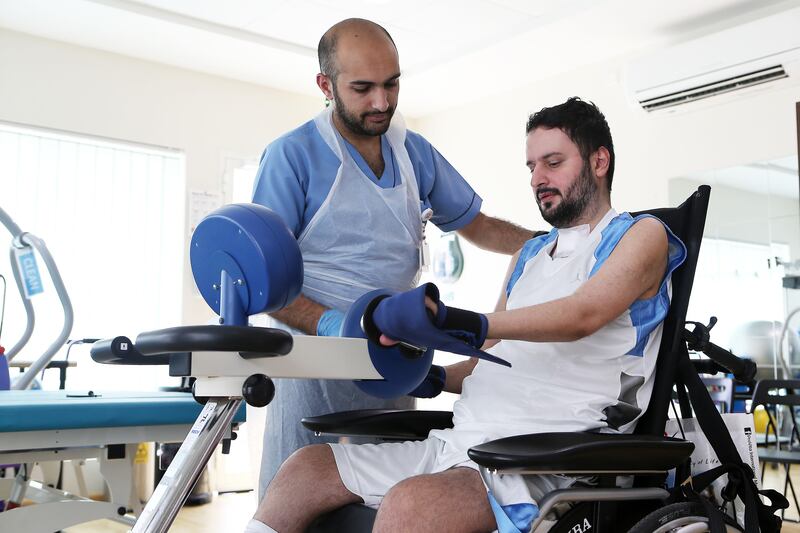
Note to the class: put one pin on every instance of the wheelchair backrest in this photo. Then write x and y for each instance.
(687, 222)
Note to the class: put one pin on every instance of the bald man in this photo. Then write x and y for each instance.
(356, 188)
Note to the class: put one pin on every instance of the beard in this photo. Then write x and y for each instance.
(358, 123)
(573, 204)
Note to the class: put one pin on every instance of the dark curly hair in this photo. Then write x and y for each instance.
(583, 123)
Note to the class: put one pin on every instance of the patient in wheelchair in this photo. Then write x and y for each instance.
(580, 322)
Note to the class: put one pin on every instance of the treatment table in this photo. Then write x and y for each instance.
(38, 426)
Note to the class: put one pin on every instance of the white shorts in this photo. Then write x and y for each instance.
(370, 470)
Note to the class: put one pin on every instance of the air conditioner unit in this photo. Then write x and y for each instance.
(755, 53)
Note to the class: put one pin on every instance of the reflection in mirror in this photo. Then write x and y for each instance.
(447, 262)
(749, 261)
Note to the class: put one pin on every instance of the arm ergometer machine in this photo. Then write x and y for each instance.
(246, 261)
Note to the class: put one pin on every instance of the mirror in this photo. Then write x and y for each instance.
(749, 261)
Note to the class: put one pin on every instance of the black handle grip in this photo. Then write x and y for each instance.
(743, 370)
(121, 351)
(707, 366)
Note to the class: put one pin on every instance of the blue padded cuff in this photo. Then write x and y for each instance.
(469, 326)
(432, 385)
(404, 317)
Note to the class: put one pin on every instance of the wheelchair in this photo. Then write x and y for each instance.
(645, 455)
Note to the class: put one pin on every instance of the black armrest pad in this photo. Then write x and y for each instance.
(382, 423)
(215, 338)
(582, 452)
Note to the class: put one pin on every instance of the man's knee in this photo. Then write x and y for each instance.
(407, 497)
(313, 460)
(315, 454)
(454, 500)
(306, 485)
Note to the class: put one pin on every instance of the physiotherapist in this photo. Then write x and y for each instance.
(356, 188)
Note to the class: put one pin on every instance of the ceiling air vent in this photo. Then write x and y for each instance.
(732, 62)
(707, 90)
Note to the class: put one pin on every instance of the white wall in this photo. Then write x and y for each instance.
(650, 149)
(485, 141)
(56, 85)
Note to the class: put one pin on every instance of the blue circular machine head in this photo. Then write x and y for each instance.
(259, 253)
(401, 374)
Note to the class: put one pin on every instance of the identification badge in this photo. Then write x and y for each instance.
(424, 249)
(424, 256)
(29, 271)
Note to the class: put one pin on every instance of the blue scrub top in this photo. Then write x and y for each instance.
(298, 169)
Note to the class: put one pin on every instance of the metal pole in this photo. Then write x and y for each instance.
(180, 477)
(41, 362)
(30, 321)
(22, 239)
(16, 231)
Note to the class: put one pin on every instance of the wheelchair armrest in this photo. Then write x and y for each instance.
(582, 453)
(380, 423)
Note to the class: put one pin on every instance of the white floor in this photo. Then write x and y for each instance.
(226, 513)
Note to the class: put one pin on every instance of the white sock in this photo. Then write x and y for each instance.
(254, 526)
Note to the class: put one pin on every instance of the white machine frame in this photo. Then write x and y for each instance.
(220, 378)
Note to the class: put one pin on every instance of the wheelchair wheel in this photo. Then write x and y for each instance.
(676, 517)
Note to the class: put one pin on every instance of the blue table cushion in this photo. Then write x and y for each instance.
(36, 410)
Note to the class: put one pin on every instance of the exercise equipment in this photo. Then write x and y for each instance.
(29, 283)
(246, 261)
(399, 373)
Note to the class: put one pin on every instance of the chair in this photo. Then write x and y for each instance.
(646, 453)
(781, 440)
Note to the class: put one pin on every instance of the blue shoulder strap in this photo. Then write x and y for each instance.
(646, 314)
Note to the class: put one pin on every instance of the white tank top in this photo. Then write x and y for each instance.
(601, 382)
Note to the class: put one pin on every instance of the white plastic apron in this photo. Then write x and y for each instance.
(363, 237)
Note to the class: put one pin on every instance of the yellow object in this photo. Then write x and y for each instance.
(760, 419)
(142, 454)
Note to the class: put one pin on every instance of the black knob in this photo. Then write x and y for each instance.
(202, 400)
(258, 390)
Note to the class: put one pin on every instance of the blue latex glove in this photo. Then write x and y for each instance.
(330, 324)
(433, 384)
(404, 317)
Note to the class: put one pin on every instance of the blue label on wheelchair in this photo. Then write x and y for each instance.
(31, 280)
